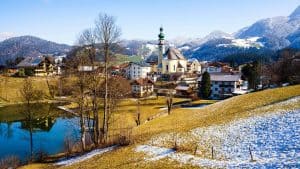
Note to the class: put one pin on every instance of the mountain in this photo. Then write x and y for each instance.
(5, 35)
(296, 13)
(25, 46)
(263, 37)
(277, 30)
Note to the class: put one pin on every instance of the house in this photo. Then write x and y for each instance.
(223, 85)
(87, 68)
(217, 67)
(137, 70)
(120, 69)
(37, 66)
(189, 81)
(193, 66)
(184, 91)
(153, 61)
(142, 87)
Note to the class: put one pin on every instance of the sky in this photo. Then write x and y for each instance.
(62, 20)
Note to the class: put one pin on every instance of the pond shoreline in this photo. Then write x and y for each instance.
(42, 101)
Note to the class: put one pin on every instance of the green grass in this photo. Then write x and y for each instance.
(125, 58)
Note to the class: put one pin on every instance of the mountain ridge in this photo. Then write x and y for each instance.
(24, 46)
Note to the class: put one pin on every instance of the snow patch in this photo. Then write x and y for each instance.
(244, 43)
(273, 139)
(85, 156)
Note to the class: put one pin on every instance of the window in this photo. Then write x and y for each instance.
(167, 67)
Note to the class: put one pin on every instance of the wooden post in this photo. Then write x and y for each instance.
(251, 155)
(195, 151)
(212, 152)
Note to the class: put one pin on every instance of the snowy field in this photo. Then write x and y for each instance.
(274, 140)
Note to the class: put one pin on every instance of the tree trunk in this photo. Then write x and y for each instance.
(105, 115)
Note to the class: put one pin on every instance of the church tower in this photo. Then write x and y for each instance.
(161, 46)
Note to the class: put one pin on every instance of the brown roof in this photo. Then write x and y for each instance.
(142, 81)
(218, 64)
(173, 53)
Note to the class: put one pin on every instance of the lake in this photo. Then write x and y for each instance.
(44, 129)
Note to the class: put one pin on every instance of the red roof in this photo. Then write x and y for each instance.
(142, 81)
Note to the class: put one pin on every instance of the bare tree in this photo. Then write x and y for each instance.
(80, 94)
(170, 101)
(119, 88)
(88, 39)
(138, 118)
(108, 34)
(29, 95)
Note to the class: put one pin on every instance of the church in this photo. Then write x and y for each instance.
(171, 61)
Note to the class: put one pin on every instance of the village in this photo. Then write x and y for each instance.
(120, 91)
(168, 72)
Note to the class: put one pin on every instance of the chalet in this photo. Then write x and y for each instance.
(142, 87)
(120, 69)
(223, 85)
(193, 66)
(217, 67)
(37, 66)
(184, 91)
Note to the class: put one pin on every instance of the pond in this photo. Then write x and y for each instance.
(41, 128)
(194, 106)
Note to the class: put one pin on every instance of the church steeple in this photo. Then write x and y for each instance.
(161, 45)
(161, 35)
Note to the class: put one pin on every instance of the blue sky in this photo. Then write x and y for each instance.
(62, 20)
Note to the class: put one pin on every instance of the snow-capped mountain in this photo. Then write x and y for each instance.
(6, 35)
(296, 13)
(280, 28)
(269, 35)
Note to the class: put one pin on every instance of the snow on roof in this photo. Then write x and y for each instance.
(182, 88)
(174, 54)
(238, 92)
(223, 77)
(30, 62)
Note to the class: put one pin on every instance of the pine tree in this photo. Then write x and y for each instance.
(205, 90)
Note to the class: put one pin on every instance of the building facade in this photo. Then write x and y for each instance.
(38, 66)
(193, 66)
(142, 87)
(138, 70)
(223, 85)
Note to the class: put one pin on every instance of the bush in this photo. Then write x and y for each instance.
(21, 72)
(29, 72)
(9, 162)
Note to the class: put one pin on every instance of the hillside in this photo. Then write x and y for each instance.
(160, 132)
(10, 89)
(24, 46)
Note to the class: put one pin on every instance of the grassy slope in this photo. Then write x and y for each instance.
(182, 120)
(125, 115)
(10, 90)
(221, 112)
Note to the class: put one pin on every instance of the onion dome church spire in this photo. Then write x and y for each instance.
(161, 46)
(161, 35)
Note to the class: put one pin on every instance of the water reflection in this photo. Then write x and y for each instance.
(28, 130)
